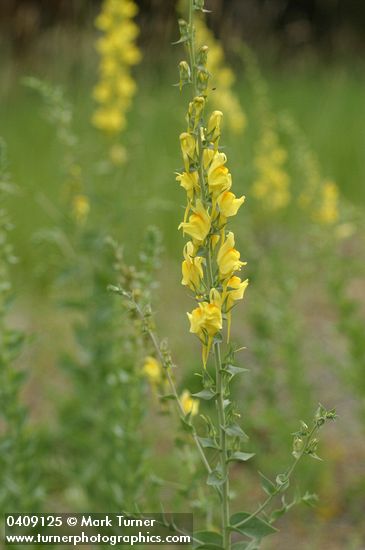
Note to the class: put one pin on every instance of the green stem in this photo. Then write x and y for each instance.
(171, 382)
(288, 475)
(223, 448)
(217, 353)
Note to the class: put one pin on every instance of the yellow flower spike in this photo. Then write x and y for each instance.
(229, 204)
(80, 208)
(192, 269)
(228, 258)
(118, 52)
(189, 404)
(234, 291)
(219, 178)
(190, 182)
(152, 369)
(188, 148)
(199, 223)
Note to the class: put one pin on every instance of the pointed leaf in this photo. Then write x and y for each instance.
(208, 443)
(268, 486)
(205, 394)
(233, 370)
(234, 430)
(240, 456)
(210, 538)
(255, 527)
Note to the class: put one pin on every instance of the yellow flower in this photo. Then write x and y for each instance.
(152, 370)
(219, 178)
(328, 213)
(80, 208)
(199, 223)
(235, 291)
(214, 125)
(206, 321)
(189, 404)
(208, 155)
(188, 148)
(190, 182)
(228, 258)
(192, 269)
(229, 204)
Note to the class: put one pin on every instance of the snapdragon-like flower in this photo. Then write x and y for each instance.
(199, 223)
(192, 268)
(228, 258)
(206, 321)
(229, 204)
(118, 52)
(234, 291)
(219, 178)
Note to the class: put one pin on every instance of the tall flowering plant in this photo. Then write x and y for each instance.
(212, 271)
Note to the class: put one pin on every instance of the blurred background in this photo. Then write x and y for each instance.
(294, 71)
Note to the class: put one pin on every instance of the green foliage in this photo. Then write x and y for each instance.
(20, 471)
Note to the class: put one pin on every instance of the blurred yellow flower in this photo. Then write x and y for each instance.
(152, 370)
(223, 79)
(189, 404)
(327, 212)
(80, 208)
(272, 181)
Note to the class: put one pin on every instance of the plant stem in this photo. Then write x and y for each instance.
(223, 448)
(288, 475)
(171, 382)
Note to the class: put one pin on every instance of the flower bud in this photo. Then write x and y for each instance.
(195, 111)
(202, 56)
(185, 73)
(199, 4)
(184, 29)
(297, 445)
(214, 125)
(202, 78)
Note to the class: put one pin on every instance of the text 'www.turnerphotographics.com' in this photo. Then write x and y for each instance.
(98, 529)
